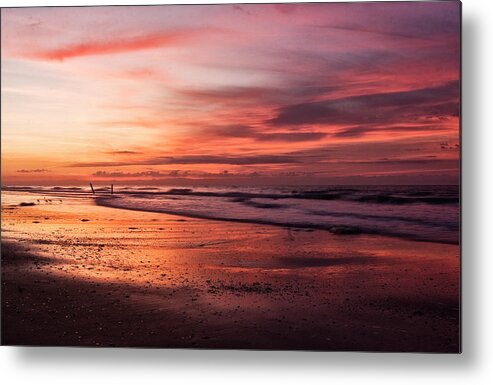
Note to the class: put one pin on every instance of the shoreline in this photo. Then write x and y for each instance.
(338, 229)
(342, 230)
(166, 281)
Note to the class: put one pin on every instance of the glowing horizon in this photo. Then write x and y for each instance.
(231, 94)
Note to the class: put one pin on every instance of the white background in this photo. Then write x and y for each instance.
(474, 365)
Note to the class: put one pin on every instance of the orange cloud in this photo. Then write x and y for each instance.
(138, 122)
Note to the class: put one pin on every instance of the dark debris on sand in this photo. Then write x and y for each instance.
(255, 287)
(24, 204)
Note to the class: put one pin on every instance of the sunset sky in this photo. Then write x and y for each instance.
(362, 93)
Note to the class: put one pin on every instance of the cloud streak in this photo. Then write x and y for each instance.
(386, 107)
(33, 171)
(358, 131)
(244, 131)
(123, 152)
(196, 159)
(110, 46)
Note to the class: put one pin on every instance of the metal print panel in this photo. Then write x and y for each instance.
(266, 176)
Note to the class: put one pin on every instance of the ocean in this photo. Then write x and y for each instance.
(420, 213)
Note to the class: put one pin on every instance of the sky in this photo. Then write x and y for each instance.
(341, 93)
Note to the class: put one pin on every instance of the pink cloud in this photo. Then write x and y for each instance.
(113, 46)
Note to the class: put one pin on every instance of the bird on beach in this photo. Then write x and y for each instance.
(290, 234)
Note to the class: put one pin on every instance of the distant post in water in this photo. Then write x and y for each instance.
(92, 188)
(112, 189)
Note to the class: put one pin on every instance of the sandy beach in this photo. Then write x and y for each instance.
(77, 274)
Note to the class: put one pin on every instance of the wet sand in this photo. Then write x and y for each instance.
(77, 274)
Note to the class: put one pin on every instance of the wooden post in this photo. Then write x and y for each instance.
(92, 188)
(112, 189)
